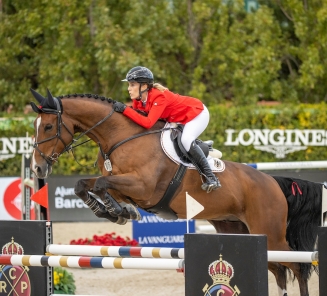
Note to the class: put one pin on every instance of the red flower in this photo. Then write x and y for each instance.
(108, 239)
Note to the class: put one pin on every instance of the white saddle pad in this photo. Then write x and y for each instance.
(216, 164)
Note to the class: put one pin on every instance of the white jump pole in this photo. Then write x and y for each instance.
(292, 256)
(294, 165)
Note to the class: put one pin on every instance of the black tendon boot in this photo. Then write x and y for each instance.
(200, 160)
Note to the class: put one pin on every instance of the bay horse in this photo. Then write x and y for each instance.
(136, 173)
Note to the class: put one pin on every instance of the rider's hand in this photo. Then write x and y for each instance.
(119, 107)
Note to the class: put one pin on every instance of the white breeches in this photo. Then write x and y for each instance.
(194, 128)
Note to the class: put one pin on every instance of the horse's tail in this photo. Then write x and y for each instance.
(304, 199)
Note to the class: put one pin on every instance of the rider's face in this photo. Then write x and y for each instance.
(134, 89)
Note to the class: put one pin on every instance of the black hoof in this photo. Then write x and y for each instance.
(133, 212)
(121, 220)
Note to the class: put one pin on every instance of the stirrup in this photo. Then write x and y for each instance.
(209, 187)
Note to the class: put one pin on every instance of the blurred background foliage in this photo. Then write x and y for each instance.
(215, 50)
(228, 53)
(223, 117)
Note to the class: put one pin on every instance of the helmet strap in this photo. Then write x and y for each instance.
(141, 92)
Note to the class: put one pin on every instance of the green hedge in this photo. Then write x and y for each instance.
(302, 116)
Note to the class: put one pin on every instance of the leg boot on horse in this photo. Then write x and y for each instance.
(125, 211)
(200, 160)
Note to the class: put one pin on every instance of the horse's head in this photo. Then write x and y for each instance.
(50, 137)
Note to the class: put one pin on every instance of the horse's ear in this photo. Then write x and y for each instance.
(35, 108)
(51, 101)
(38, 97)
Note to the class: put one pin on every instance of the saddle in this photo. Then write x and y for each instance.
(176, 135)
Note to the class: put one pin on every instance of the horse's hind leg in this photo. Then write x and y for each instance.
(276, 233)
(238, 227)
(302, 278)
(279, 271)
(235, 227)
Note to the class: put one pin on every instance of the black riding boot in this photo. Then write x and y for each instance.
(200, 160)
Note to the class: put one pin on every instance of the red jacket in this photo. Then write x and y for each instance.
(167, 105)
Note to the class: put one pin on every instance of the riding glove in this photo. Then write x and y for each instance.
(119, 107)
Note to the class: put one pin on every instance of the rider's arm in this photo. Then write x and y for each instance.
(155, 112)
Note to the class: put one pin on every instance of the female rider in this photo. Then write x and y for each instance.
(159, 102)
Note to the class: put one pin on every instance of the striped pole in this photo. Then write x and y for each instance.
(266, 166)
(148, 252)
(135, 263)
(92, 262)
(115, 251)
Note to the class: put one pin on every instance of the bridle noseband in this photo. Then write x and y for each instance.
(54, 156)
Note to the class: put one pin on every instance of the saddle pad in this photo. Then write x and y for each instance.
(217, 165)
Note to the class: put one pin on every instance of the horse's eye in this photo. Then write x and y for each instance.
(48, 127)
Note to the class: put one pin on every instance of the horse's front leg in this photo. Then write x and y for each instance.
(82, 188)
(121, 210)
(125, 186)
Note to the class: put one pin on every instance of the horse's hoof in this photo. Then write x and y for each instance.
(121, 220)
(134, 212)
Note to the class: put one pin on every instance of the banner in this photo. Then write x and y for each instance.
(153, 231)
(11, 198)
(64, 205)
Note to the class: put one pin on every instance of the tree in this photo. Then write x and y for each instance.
(211, 49)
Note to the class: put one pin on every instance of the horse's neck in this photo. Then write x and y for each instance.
(86, 113)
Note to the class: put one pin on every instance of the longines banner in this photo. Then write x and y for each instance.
(9, 147)
(277, 141)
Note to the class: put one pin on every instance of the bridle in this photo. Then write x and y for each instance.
(54, 156)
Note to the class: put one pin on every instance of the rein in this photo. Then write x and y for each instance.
(107, 155)
(70, 147)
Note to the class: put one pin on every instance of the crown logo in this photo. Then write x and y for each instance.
(221, 271)
(12, 248)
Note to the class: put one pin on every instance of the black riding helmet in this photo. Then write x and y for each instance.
(140, 75)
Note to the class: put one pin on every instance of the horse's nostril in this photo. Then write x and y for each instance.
(38, 169)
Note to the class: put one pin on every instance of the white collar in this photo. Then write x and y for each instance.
(144, 102)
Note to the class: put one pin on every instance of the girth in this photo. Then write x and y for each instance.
(162, 208)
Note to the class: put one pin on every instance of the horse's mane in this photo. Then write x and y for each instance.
(161, 122)
(102, 98)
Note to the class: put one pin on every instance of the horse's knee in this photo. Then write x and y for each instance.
(99, 185)
(79, 187)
